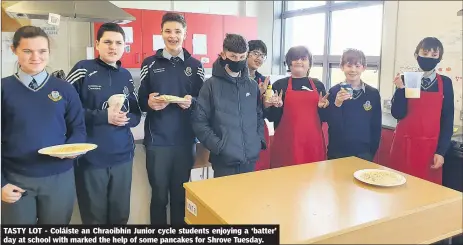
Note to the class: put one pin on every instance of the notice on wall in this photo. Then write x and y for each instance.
(158, 42)
(54, 19)
(90, 53)
(128, 31)
(7, 53)
(200, 44)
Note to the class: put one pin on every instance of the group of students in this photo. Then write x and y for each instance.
(225, 113)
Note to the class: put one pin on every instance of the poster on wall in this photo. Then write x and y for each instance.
(7, 53)
(8, 57)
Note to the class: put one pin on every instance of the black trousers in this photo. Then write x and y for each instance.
(49, 200)
(103, 194)
(221, 170)
(168, 167)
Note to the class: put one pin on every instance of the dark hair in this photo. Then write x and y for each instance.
(257, 45)
(113, 27)
(429, 43)
(296, 53)
(29, 32)
(353, 56)
(172, 16)
(235, 43)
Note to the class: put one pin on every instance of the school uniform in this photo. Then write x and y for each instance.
(298, 137)
(104, 175)
(169, 137)
(355, 127)
(425, 127)
(264, 157)
(39, 111)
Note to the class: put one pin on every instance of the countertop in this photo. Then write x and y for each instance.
(388, 122)
(323, 203)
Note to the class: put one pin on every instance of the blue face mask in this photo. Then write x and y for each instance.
(426, 63)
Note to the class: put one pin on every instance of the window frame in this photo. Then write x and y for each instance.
(326, 60)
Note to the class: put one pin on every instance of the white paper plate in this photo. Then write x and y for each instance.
(380, 177)
(67, 150)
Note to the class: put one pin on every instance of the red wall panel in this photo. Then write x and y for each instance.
(245, 26)
(212, 26)
(130, 59)
(151, 25)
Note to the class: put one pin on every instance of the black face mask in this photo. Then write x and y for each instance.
(427, 64)
(234, 66)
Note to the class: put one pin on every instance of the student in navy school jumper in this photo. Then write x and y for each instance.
(169, 138)
(354, 119)
(425, 125)
(104, 176)
(298, 137)
(256, 57)
(38, 110)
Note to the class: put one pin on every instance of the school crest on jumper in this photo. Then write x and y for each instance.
(367, 106)
(188, 71)
(55, 96)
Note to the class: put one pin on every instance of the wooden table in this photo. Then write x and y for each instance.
(323, 203)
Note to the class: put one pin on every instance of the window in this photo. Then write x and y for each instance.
(370, 76)
(358, 28)
(327, 28)
(308, 30)
(316, 72)
(295, 5)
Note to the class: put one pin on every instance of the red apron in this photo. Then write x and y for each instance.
(299, 137)
(264, 156)
(416, 136)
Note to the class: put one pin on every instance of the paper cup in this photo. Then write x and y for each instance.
(116, 101)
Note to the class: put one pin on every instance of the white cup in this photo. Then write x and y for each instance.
(116, 101)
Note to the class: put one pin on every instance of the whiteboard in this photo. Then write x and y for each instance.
(445, 25)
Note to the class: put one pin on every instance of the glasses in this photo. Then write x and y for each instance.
(258, 54)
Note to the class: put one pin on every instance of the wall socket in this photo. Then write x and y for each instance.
(387, 104)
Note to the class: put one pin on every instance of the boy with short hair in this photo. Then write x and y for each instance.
(354, 118)
(104, 175)
(299, 113)
(169, 137)
(256, 57)
(228, 118)
(425, 127)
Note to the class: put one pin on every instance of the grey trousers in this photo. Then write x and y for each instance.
(168, 168)
(49, 200)
(103, 194)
